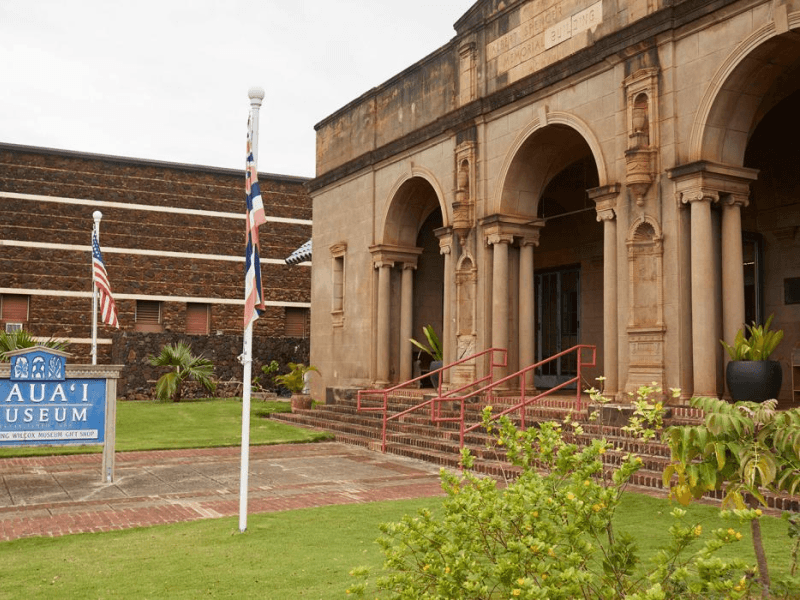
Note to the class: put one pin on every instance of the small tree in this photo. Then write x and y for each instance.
(15, 340)
(185, 365)
(742, 448)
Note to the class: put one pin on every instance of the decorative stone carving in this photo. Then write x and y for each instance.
(646, 301)
(464, 203)
(466, 330)
(641, 157)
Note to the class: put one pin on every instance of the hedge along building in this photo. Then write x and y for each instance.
(172, 238)
(612, 173)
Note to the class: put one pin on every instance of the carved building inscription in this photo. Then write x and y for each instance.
(543, 25)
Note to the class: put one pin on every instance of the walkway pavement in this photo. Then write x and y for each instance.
(58, 495)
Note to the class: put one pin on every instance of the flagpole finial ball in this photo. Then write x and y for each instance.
(256, 96)
(97, 215)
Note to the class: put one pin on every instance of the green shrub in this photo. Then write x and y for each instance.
(547, 534)
(16, 340)
(185, 365)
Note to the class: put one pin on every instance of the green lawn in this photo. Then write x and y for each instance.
(296, 554)
(189, 424)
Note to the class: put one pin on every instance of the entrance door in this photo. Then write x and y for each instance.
(557, 323)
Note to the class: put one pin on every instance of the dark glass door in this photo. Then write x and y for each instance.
(557, 323)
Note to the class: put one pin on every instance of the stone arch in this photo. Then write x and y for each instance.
(552, 141)
(645, 229)
(411, 200)
(744, 88)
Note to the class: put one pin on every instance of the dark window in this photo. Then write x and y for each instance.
(148, 316)
(296, 322)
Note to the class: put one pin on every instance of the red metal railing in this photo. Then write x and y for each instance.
(524, 402)
(384, 393)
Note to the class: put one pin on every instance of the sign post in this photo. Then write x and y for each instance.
(46, 402)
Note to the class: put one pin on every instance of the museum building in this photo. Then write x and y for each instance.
(172, 238)
(615, 173)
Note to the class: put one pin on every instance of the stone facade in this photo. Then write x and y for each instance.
(567, 171)
(172, 236)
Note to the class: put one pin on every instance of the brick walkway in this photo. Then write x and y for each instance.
(58, 495)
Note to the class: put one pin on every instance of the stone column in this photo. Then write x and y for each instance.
(605, 199)
(448, 333)
(704, 343)
(732, 267)
(406, 321)
(610, 312)
(500, 243)
(384, 302)
(527, 305)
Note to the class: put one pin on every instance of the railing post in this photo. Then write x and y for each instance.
(522, 408)
(385, 419)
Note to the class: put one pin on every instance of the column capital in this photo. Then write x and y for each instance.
(532, 239)
(605, 200)
(735, 200)
(407, 266)
(499, 238)
(698, 195)
(606, 211)
(386, 254)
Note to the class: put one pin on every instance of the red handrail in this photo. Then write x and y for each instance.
(524, 402)
(385, 392)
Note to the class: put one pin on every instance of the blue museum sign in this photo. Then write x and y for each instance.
(39, 405)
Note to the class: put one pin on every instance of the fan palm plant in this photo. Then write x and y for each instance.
(185, 365)
(16, 340)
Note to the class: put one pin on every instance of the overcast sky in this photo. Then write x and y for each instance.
(168, 80)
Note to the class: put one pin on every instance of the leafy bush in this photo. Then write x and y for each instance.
(16, 340)
(185, 365)
(266, 371)
(547, 534)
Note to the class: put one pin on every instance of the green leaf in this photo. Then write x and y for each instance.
(666, 476)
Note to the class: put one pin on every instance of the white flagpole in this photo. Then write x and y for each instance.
(97, 215)
(256, 96)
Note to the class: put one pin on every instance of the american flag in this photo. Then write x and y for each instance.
(253, 289)
(108, 309)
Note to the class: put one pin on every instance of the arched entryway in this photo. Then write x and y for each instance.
(409, 276)
(743, 189)
(548, 207)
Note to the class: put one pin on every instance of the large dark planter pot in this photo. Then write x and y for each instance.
(754, 380)
(434, 377)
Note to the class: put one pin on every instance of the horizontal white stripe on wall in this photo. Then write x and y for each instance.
(88, 295)
(134, 251)
(104, 341)
(145, 207)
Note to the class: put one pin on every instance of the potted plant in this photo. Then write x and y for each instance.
(434, 349)
(295, 382)
(750, 374)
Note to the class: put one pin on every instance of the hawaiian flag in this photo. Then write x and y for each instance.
(253, 290)
(108, 309)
